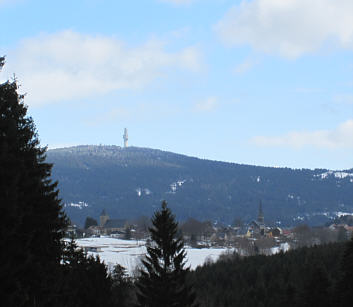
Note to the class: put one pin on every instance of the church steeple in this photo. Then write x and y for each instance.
(260, 217)
(104, 217)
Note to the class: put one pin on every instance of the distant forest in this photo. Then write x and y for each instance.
(310, 276)
(130, 182)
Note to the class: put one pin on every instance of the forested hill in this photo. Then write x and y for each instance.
(309, 276)
(129, 182)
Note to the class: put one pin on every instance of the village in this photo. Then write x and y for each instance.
(245, 239)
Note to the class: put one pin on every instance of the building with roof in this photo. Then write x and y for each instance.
(108, 225)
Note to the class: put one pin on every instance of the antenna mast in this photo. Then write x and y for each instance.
(125, 138)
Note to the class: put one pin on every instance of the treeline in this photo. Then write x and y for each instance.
(309, 276)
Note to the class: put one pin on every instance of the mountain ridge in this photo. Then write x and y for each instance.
(132, 181)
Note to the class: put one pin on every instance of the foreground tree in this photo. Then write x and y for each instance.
(84, 280)
(33, 222)
(345, 284)
(37, 268)
(163, 279)
(123, 290)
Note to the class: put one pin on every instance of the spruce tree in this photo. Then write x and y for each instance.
(123, 290)
(316, 287)
(345, 284)
(90, 222)
(85, 281)
(163, 279)
(33, 222)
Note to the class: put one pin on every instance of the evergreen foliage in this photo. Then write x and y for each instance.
(123, 290)
(345, 285)
(90, 222)
(33, 222)
(163, 279)
(85, 281)
(302, 277)
(36, 267)
(205, 190)
(127, 235)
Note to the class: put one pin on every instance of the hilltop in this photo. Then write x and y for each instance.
(130, 182)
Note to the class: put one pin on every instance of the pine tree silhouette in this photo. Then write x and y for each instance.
(33, 222)
(345, 284)
(163, 279)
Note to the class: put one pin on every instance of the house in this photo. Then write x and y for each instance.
(276, 232)
(244, 232)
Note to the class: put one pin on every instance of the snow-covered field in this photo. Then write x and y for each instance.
(129, 252)
(284, 247)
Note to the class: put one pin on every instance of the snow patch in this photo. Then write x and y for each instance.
(175, 185)
(284, 247)
(338, 175)
(339, 214)
(141, 191)
(298, 218)
(80, 205)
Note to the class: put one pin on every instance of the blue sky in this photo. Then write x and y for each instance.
(261, 82)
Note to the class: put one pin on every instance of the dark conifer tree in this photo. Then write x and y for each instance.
(90, 222)
(345, 285)
(123, 290)
(163, 279)
(33, 222)
(85, 281)
(316, 287)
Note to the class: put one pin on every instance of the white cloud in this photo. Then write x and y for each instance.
(207, 105)
(246, 65)
(289, 28)
(341, 137)
(69, 65)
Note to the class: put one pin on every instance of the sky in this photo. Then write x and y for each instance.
(260, 82)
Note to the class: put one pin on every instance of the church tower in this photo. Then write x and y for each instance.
(104, 217)
(260, 217)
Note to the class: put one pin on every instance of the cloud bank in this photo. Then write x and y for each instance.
(340, 137)
(289, 28)
(69, 65)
